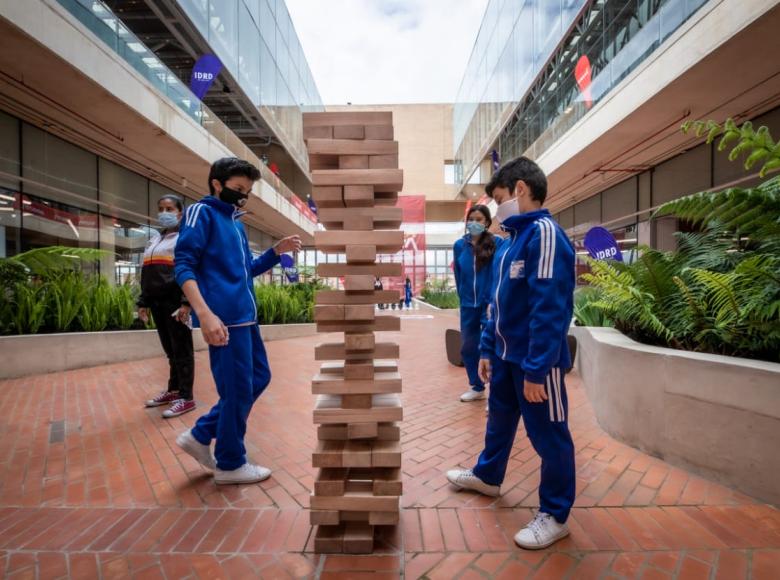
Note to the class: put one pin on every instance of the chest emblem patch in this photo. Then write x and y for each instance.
(517, 269)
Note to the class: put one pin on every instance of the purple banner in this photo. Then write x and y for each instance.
(288, 266)
(601, 245)
(204, 72)
(494, 158)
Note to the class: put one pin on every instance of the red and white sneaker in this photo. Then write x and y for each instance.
(179, 407)
(163, 398)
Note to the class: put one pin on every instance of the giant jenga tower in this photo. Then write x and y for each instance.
(354, 164)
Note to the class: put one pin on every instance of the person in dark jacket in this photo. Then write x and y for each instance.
(472, 258)
(408, 293)
(162, 297)
(215, 269)
(525, 353)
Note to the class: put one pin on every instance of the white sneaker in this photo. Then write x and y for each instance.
(472, 395)
(247, 473)
(201, 453)
(465, 479)
(541, 532)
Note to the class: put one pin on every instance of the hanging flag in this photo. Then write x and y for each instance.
(288, 266)
(494, 157)
(312, 205)
(204, 72)
(601, 245)
(582, 74)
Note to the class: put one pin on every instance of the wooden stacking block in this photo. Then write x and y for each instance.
(386, 241)
(334, 147)
(380, 132)
(349, 132)
(353, 161)
(381, 162)
(338, 351)
(380, 179)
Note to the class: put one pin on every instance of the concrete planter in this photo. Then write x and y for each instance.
(47, 353)
(718, 416)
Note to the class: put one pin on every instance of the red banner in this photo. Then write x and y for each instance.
(412, 255)
(303, 207)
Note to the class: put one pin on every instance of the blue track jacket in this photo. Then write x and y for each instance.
(474, 287)
(213, 250)
(533, 296)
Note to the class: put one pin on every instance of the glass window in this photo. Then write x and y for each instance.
(223, 31)
(156, 191)
(9, 150)
(51, 223)
(10, 221)
(268, 75)
(268, 25)
(198, 11)
(69, 171)
(249, 55)
(449, 173)
(123, 189)
(125, 241)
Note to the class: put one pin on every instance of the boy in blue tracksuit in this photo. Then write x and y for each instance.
(472, 259)
(215, 269)
(525, 353)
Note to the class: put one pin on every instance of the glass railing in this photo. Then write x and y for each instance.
(102, 22)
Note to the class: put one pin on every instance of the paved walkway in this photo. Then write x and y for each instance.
(92, 485)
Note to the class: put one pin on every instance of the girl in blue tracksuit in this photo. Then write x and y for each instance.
(472, 256)
(525, 353)
(215, 269)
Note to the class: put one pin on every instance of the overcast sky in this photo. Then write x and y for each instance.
(387, 51)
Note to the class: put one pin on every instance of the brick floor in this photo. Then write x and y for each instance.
(114, 497)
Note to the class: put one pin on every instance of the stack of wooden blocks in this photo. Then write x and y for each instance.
(355, 176)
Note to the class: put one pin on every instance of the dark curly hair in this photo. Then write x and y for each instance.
(227, 167)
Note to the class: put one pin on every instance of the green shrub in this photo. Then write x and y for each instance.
(436, 294)
(68, 291)
(585, 313)
(286, 304)
(28, 311)
(96, 313)
(123, 310)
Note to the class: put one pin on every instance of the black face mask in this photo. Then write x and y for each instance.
(233, 197)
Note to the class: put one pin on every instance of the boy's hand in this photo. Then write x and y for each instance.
(288, 244)
(534, 392)
(484, 370)
(214, 332)
(143, 314)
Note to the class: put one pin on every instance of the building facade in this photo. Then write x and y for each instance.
(97, 120)
(596, 92)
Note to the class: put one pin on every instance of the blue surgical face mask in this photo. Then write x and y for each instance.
(168, 219)
(475, 228)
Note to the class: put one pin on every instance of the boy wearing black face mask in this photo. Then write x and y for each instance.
(215, 269)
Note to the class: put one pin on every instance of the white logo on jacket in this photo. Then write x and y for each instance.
(517, 269)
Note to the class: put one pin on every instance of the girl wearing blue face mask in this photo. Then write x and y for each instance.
(161, 295)
(473, 255)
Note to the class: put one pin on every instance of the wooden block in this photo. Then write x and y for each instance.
(359, 195)
(318, 133)
(358, 283)
(323, 162)
(356, 454)
(361, 253)
(329, 539)
(379, 132)
(383, 217)
(386, 241)
(355, 501)
(382, 269)
(379, 324)
(327, 454)
(330, 196)
(360, 341)
(359, 312)
(383, 518)
(354, 371)
(329, 312)
(361, 223)
(380, 366)
(353, 162)
(324, 518)
(385, 198)
(381, 179)
(331, 481)
(341, 297)
(358, 538)
(349, 132)
(362, 431)
(381, 162)
(333, 384)
(347, 118)
(333, 147)
(386, 454)
(327, 410)
(336, 432)
(337, 351)
(356, 401)
(387, 481)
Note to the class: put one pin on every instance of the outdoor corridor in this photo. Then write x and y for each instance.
(92, 485)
